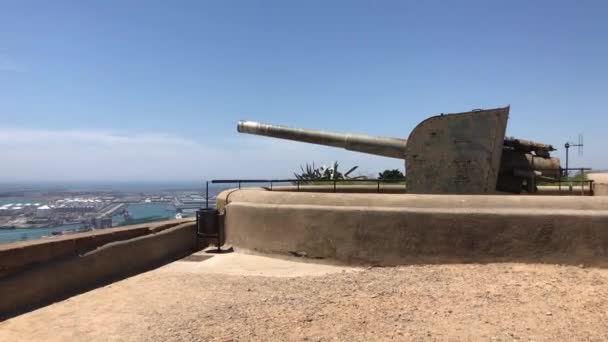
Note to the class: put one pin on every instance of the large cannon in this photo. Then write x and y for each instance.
(462, 153)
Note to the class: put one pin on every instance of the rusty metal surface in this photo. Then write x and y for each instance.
(546, 166)
(456, 153)
(523, 145)
(517, 167)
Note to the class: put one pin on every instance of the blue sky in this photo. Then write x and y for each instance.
(152, 90)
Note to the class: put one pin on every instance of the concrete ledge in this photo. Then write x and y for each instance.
(388, 229)
(18, 256)
(392, 236)
(600, 189)
(53, 277)
(600, 183)
(257, 195)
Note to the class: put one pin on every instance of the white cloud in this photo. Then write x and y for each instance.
(72, 155)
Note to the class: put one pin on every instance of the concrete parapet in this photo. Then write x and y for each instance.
(18, 256)
(600, 183)
(600, 189)
(389, 229)
(257, 195)
(39, 272)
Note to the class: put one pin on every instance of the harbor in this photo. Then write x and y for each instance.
(137, 213)
(28, 218)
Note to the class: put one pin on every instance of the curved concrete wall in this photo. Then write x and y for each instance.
(34, 279)
(397, 229)
(19, 256)
(257, 195)
(600, 184)
(600, 189)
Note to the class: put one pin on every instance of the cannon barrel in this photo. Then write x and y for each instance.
(523, 145)
(382, 146)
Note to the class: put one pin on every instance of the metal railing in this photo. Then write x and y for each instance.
(562, 179)
(301, 182)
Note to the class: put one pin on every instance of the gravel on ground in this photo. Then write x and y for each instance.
(501, 302)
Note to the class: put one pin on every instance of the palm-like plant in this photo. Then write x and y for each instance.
(312, 173)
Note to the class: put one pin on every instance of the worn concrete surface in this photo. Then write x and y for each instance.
(247, 264)
(600, 183)
(257, 195)
(191, 301)
(600, 189)
(18, 256)
(389, 229)
(58, 277)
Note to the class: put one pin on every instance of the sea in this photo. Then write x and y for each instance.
(152, 211)
(138, 211)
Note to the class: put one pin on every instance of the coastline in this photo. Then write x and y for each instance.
(140, 212)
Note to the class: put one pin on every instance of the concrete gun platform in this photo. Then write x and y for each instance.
(239, 297)
(395, 229)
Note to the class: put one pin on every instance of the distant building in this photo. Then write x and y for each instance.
(75, 208)
(102, 222)
(44, 211)
(78, 205)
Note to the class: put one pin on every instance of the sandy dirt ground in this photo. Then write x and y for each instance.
(244, 298)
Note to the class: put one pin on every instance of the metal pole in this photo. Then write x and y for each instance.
(582, 182)
(567, 149)
(567, 146)
(207, 196)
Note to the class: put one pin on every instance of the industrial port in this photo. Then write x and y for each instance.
(59, 213)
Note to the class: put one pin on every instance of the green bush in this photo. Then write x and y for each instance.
(391, 175)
